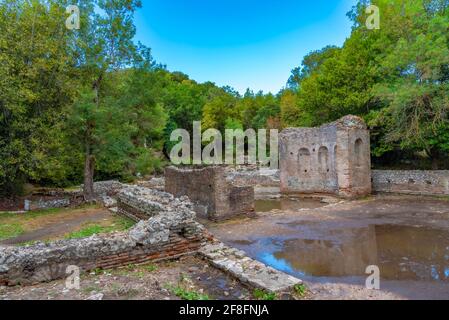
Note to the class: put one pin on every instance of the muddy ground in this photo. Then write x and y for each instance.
(190, 276)
(330, 247)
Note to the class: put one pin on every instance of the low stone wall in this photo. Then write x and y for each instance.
(170, 233)
(108, 188)
(411, 182)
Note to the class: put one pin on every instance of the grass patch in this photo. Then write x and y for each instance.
(150, 268)
(10, 230)
(263, 295)
(120, 224)
(185, 290)
(190, 295)
(300, 290)
(15, 224)
(87, 232)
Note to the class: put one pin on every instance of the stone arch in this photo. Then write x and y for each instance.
(358, 152)
(323, 159)
(304, 158)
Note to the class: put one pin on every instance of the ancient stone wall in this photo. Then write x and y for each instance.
(169, 233)
(212, 195)
(334, 158)
(411, 182)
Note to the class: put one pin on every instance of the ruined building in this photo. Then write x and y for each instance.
(212, 195)
(332, 159)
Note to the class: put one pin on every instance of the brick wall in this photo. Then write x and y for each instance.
(168, 233)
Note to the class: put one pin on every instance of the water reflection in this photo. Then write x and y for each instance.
(401, 252)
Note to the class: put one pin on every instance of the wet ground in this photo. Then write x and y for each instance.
(160, 281)
(287, 204)
(331, 247)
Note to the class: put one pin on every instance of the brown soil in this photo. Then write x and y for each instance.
(330, 247)
(149, 282)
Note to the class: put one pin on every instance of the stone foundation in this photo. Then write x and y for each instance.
(212, 195)
(249, 272)
(170, 232)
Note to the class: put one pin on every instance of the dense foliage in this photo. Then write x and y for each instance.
(93, 103)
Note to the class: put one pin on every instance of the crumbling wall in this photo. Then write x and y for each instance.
(412, 181)
(334, 158)
(170, 232)
(212, 195)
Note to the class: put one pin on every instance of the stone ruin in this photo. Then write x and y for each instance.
(213, 196)
(332, 159)
(166, 230)
(169, 231)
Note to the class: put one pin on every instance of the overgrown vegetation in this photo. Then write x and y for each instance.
(300, 290)
(259, 294)
(93, 103)
(120, 224)
(185, 290)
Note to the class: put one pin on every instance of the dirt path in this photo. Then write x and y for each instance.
(57, 226)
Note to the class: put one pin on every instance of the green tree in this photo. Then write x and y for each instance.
(36, 82)
(104, 47)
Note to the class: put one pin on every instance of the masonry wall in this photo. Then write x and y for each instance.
(199, 185)
(353, 162)
(333, 159)
(411, 182)
(307, 160)
(212, 195)
(168, 234)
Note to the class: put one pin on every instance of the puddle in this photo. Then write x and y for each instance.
(287, 204)
(401, 252)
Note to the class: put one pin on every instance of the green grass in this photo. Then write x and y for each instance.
(121, 224)
(190, 295)
(184, 290)
(300, 290)
(263, 295)
(10, 230)
(150, 268)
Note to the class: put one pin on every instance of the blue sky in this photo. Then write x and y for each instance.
(241, 43)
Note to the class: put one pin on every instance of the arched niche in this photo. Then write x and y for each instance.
(358, 152)
(323, 159)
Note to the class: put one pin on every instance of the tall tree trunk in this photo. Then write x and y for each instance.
(435, 156)
(89, 162)
(89, 165)
(435, 163)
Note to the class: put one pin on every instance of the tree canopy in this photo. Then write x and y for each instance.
(93, 103)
